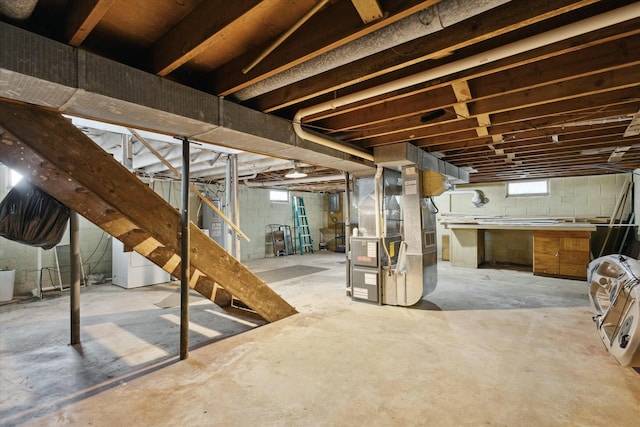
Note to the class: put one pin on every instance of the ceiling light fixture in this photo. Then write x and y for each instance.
(296, 172)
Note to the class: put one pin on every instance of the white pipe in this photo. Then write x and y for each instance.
(558, 34)
(294, 181)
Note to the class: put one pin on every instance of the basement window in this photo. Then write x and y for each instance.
(278, 196)
(528, 188)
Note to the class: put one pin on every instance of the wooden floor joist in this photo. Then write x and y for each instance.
(58, 158)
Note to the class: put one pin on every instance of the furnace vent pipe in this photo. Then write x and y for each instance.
(478, 198)
(558, 34)
(17, 9)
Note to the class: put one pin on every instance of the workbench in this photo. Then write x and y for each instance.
(561, 249)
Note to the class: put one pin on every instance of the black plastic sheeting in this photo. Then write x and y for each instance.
(29, 215)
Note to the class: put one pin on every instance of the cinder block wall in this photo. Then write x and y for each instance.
(95, 249)
(591, 196)
(257, 211)
(95, 245)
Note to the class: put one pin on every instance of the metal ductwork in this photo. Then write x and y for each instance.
(420, 24)
(40, 71)
(406, 154)
(17, 9)
(478, 199)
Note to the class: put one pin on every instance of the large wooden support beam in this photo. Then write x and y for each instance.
(61, 160)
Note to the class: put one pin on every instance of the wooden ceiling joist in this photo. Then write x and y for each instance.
(543, 153)
(621, 78)
(182, 43)
(83, 16)
(508, 117)
(369, 10)
(322, 33)
(485, 26)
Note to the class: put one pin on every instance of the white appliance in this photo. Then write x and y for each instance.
(132, 270)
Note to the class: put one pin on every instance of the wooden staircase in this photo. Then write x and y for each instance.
(61, 160)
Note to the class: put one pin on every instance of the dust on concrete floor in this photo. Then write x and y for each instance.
(487, 347)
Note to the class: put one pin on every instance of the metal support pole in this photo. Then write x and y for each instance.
(227, 202)
(347, 228)
(184, 254)
(74, 253)
(236, 206)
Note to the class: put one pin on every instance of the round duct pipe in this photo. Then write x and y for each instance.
(427, 21)
(478, 199)
(17, 9)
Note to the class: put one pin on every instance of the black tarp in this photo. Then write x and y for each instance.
(29, 215)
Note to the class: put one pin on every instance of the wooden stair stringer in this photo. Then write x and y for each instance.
(61, 160)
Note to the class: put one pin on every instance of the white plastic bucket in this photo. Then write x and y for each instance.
(7, 278)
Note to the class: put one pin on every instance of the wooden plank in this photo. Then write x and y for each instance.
(192, 187)
(484, 122)
(381, 112)
(54, 181)
(369, 10)
(577, 43)
(321, 34)
(568, 148)
(83, 16)
(553, 109)
(62, 158)
(607, 56)
(417, 133)
(285, 35)
(621, 78)
(523, 60)
(197, 32)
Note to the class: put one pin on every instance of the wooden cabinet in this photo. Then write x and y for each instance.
(561, 253)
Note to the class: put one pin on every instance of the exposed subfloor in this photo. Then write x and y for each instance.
(488, 347)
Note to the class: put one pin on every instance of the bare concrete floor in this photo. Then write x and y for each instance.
(488, 347)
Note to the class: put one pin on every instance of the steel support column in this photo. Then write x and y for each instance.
(347, 228)
(184, 254)
(74, 253)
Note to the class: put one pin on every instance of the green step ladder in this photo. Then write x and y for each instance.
(302, 223)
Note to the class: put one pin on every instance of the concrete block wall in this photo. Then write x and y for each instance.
(590, 196)
(95, 249)
(257, 211)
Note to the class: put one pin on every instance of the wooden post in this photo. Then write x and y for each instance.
(74, 253)
(184, 255)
